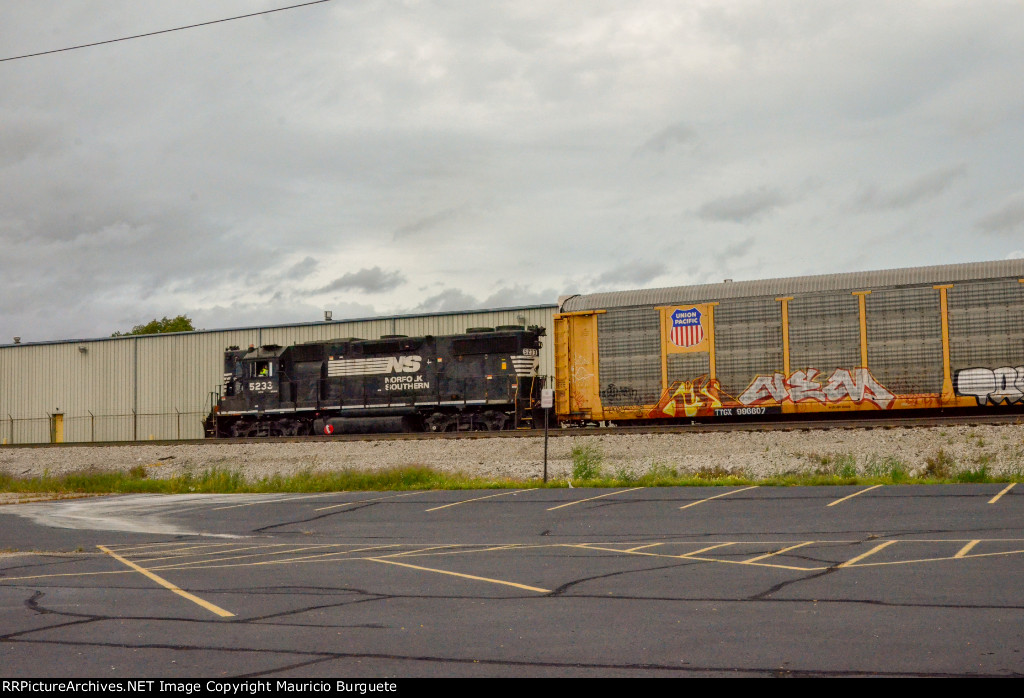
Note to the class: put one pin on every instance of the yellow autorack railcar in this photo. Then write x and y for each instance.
(936, 337)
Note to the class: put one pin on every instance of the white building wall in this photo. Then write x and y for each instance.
(159, 386)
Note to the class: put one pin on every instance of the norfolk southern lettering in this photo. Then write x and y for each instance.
(406, 383)
(483, 380)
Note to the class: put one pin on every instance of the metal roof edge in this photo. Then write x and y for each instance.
(343, 321)
(817, 283)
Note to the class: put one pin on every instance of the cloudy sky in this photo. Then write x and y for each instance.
(389, 157)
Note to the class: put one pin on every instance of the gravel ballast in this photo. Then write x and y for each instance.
(753, 454)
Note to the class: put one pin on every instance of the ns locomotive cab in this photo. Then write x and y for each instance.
(486, 379)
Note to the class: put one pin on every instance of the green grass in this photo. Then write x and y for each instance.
(227, 481)
(887, 471)
(586, 462)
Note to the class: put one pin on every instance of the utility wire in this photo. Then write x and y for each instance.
(163, 31)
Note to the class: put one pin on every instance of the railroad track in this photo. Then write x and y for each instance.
(979, 418)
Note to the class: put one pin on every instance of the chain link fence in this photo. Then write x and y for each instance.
(88, 428)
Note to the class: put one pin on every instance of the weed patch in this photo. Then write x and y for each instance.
(712, 472)
(843, 465)
(586, 462)
(979, 474)
(940, 466)
(889, 468)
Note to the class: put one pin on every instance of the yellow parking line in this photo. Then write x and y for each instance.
(463, 549)
(757, 564)
(62, 574)
(321, 557)
(1005, 490)
(779, 552)
(724, 494)
(275, 501)
(260, 552)
(590, 499)
(203, 553)
(967, 548)
(417, 551)
(167, 585)
(477, 499)
(941, 559)
(704, 550)
(641, 547)
(853, 495)
(874, 550)
(374, 499)
(171, 545)
(693, 556)
(146, 554)
(459, 574)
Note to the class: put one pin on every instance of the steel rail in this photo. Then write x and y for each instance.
(980, 418)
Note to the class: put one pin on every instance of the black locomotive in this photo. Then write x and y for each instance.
(486, 379)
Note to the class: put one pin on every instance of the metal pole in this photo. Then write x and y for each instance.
(547, 401)
(546, 410)
(92, 426)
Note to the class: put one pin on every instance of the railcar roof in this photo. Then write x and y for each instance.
(822, 283)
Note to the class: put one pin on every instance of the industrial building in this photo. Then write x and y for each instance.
(162, 386)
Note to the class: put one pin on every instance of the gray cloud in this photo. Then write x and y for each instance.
(448, 300)
(730, 253)
(224, 170)
(742, 208)
(631, 274)
(510, 296)
(1006, 218)
(909, 193)
(244, 314)
(667, 138)
(425, 223)
(374, 280)
(301, 269)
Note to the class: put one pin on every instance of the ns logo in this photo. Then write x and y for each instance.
(403, 364)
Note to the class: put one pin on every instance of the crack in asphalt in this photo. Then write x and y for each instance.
(328, 515)
(316, 606)
(320, 656)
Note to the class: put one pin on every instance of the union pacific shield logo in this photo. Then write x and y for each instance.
(686, 328)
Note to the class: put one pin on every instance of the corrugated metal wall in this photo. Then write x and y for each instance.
(629, 356)
(824, 332)
(986, 324)
(159, 386)
(748, 341)
(905, 339)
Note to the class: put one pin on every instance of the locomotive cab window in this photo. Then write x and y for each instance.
(261, 369)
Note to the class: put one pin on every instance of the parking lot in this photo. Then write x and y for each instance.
(905, 580)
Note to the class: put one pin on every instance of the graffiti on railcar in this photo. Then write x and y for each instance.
(621, 395)
(580, 379)
(695, 398)
(857, 385)
(991, 385)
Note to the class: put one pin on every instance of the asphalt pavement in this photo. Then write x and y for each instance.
(719, 581)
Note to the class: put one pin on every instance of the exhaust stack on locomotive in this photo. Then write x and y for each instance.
(486, 379)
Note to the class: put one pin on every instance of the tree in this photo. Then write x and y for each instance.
(182, 323)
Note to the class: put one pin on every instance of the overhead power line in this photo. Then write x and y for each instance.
(163, 31)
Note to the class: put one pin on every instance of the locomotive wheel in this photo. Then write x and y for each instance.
(494, 421)
(441, 421)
